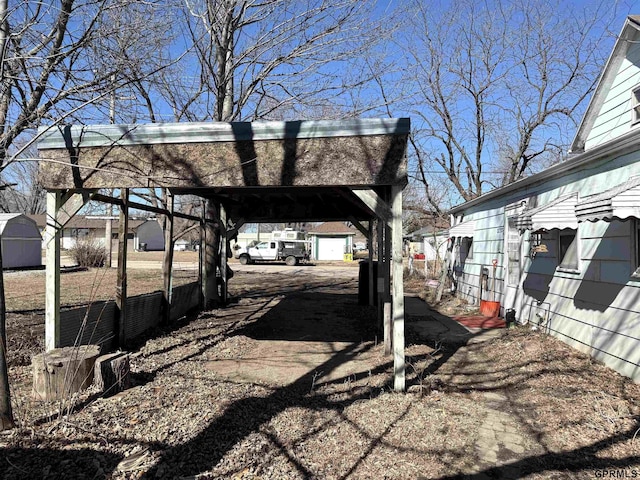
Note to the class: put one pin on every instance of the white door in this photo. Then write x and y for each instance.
(513, 264)
(331, 248)
(264, 251)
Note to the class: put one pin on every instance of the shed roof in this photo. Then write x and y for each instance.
(5, 218)
(333, 228)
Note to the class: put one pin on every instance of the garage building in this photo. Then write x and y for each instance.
(331, 241)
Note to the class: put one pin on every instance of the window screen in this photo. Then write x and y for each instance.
(513, 253)
(568, 249)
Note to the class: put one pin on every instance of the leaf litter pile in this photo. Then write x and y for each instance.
(291, 381)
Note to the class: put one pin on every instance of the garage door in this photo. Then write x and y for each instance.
(331, 248)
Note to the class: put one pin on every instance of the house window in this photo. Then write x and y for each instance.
(568, 249)
(466, 249)
(635, 105)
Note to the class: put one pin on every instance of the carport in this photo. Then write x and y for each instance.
(244, 172)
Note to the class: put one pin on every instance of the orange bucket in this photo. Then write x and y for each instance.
(489, 309)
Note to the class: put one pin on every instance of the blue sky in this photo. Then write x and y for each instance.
(618, 10)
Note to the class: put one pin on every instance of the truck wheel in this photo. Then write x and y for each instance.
(244, 259)
(291, 261)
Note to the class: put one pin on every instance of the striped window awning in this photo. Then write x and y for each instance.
(464, 229)
(621, 201)
(559, 213)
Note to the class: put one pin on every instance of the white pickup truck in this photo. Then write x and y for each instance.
(291, 252)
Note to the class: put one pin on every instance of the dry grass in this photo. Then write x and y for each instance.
(209, 401)
(25, 291)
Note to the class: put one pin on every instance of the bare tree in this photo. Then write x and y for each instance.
(23, 192)
(55, 63)
(260, 56)
(498, 87)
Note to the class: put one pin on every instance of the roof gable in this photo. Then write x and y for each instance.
(333, 228)
(608, 114)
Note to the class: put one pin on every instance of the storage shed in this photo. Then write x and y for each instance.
(149, 236)
(21, 241)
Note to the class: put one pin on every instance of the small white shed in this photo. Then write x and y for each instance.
(331, 241)
(149, 236)
(21, 241)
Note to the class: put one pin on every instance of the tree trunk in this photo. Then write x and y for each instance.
(63, 371)
(111, 373)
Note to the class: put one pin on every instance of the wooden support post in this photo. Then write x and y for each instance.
(223, 255)
(167, 259)
(387, 329)
(52, 273)
(387, 265)
(108, 228)
(398, 290)
(60, 210)
(210, 253)
(69, 204)
(372, 281)
(202, 278)
(121, 287)
(381, 275)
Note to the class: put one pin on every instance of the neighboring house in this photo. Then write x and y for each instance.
(21, 241)
(430, 241)
(84, 228)
(182, 245)
(331, 241)
(149, 236)
(566, 241)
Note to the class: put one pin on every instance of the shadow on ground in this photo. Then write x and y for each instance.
(348, 332)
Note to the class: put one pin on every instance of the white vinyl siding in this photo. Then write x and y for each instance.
(616, 115)
(593, 308)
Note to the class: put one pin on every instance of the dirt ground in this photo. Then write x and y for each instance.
(291, 381)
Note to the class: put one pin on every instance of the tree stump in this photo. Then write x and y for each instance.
(111, 373)
(63, 371)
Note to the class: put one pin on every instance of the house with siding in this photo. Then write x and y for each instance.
(86, 228)
(564, 245)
